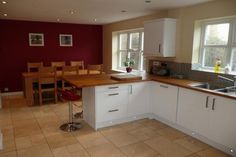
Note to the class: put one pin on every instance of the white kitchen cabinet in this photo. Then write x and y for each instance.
(193, 110)
(138, 99)
(208, 115)
(159, 38)
(222, 120)
(164, 101)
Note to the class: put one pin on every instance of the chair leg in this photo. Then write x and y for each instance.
(40, 98)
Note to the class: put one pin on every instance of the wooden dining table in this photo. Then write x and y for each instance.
(29, 78)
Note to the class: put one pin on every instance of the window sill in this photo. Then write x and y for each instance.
(137, 72)
(211, 71)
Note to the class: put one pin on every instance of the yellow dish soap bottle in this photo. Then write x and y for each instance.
(217, 65)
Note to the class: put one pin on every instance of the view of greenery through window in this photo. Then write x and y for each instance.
(131, 47)
(219, 42)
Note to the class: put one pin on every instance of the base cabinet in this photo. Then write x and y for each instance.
(138, 99)
(211, 116)
(164, 100)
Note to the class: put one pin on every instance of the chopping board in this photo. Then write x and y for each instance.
(125, 77)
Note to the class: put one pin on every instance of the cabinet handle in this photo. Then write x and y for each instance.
(207, 100)
(159, 48)
(113, 87)
(213, 104)
(113, 110)
(113, 94)
(163, 86)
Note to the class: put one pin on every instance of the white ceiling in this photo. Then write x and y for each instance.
(105, 11)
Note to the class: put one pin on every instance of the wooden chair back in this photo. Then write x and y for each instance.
(95, 68)
(80, 64)
(48, 79)
(70, 70)
(58, 65)
(34, 66)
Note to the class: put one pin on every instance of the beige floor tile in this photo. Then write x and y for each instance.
(5, 122)
(35, 151)
(153, 124)
(211, 152)
(92, 139)
(23, 142)
(167, 148)
(22, 115)
(49, 121)
(192, 144)
(60, 152)
(131, 126)
(144, 133)
(27, 130)
(8, 140)
(171, 134)
(25, 122)
(193, 155)
(74, 148)
(28, 141)
(138, 150)
(80, 154)
(122, 139)
(106, 150)
(61, 140)
(8, 154)
(109, 131)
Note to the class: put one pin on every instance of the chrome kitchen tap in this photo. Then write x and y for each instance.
(228, 79)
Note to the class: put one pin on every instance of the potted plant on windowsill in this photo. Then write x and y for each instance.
(128, 64)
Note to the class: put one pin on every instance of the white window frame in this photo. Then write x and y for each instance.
(229, 47)
(129, 50)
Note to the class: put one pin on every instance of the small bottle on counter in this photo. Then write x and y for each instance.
(217, 65)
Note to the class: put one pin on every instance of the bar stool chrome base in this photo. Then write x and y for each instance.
(69, 127)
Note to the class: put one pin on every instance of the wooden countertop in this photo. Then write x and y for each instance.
(104, 79)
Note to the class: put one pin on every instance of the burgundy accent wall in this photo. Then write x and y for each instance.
(15, 51)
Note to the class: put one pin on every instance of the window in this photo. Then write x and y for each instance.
(218, 42)
(130, 45)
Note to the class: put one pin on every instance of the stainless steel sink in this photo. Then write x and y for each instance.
(228, 90)
(205, 85)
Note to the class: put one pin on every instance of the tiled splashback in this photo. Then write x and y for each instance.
(185, 70)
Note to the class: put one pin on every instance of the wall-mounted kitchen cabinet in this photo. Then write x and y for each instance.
(159, 37)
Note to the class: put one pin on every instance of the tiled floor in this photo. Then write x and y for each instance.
(33, 132)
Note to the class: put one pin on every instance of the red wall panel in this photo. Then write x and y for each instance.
(15, 51)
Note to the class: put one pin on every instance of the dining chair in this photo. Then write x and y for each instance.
(47, 83)
(66, 71)
(34, 66)
(95, 68)
(77, 63)
(58, 65)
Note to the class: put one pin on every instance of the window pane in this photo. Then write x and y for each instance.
(217, 34)
(234, 59)
(212, 54)
(135, 57)
(134, 41)
(123, 41)
(123, 56)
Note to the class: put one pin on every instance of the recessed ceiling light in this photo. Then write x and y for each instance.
(95, 20)
(58, 20)
(148, 1)
(4, 2)
(4, 14)
(123, 11)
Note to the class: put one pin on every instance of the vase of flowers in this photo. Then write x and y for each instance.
(129, 64)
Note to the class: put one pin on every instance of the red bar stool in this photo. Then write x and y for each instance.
(70, 96)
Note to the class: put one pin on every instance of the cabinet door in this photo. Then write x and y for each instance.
(193, 110)
(222, 122)
(138, 99)
(164, 100)
(153, 38)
